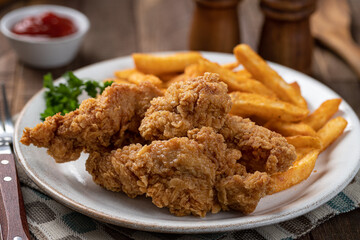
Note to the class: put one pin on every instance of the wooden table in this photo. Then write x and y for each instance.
(120, 28)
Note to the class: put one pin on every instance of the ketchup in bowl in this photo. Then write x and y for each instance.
(47, 24)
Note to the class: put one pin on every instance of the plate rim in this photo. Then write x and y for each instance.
(138, 225)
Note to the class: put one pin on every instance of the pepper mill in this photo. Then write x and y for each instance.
(215, 26)
(286, 36)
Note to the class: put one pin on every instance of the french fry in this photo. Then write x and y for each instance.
(230, 66)
(307, 155)
(194, 70)
(251, 104)
(244, 73)
(226, 75)
(253, 86)
(261, 71)
(321, 115)
(290, 129)
(157, 65)
(178, 78)
(296, 86)
(125, 74)
(299, 141)
(297, 173)
(234, 81)
(122, 81)
(271, 101)
(331, 131)
(138, 77)
(168, 77)
(117, 80)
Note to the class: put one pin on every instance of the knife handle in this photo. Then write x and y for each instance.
(13, 216)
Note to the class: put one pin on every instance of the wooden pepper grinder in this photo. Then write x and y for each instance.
(286, 36)
(215, 26)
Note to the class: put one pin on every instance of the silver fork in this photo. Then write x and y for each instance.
(12, 212)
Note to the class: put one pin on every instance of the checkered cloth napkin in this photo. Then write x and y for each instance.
(50, 220)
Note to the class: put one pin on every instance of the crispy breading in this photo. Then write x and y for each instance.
(102, 169)
(183, 150)
(198, 102)
(262, 150)
(175, 173)
(242, 192)
(98, 124)
(185, 174)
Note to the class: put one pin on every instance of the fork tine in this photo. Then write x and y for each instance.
(8, 124)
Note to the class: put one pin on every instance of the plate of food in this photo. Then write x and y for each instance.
(190, 142)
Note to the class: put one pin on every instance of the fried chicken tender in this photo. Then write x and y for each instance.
(236, 189)
(262, 150)
(98, 124)
(204, 101)
(242, 192)
(183, 149)
(198, 102)
(184, 174)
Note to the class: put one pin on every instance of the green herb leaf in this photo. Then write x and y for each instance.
(48, 81)
(64, 97)
(73, 81)
(106, 84)
(91, 88)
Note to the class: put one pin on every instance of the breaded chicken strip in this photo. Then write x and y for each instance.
(198, 102)
(188, 175)
(262, 150)
(201, 158)
(99, 122)
(175, 173)
(236, 189)
(242, 192)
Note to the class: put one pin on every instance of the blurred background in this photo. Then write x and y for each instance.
(122, 27)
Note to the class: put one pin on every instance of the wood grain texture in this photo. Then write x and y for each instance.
(355, 19)
(13, 222)
(286, 36)
(163, 25)
(339, 227)
(215, 26)
(122, 27)
(331, 25)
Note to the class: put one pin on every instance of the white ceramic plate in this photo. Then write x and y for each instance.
(71, 185)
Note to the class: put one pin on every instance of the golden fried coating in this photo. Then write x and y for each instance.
(262, 150)
(184, 174)
(102, 169)
(183, 150)
(97, 124)
(175, 173)
(236, 189)
(223, 157)
(242, 192)
(198, 102)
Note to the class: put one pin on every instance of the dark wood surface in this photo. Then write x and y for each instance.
(119, 28)
(206, 24)
(285, 36)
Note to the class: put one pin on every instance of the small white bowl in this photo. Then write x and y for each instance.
(45, 52)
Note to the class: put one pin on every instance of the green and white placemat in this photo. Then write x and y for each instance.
(49, 219)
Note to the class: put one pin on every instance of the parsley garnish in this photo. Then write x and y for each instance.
(64, 97)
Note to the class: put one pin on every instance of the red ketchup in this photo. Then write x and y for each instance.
(45, 25)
